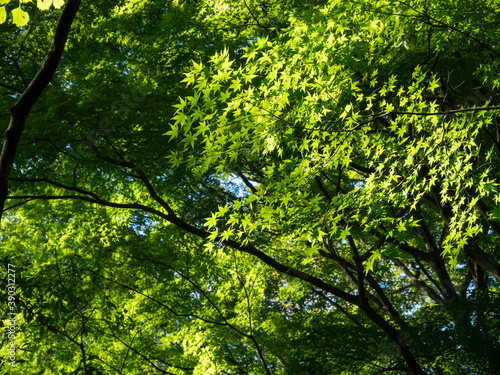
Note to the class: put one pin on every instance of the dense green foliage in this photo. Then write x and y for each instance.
(243, 187)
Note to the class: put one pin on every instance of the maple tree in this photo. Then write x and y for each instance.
(244, 187)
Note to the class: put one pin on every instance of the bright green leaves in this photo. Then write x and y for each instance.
(45, 4)
(298, 100)
(211, 222)
(310, 102)
(3, 11)
(376, 26)
(3, 14)
(20, 17)
(197, 117)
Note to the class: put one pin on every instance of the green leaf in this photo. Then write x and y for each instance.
(20, 17)
(212, 221)
(44, 4)
(174, 132)
(3, 14)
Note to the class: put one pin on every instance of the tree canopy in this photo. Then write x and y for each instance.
(243, 187)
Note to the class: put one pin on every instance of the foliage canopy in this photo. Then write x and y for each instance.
(243, 187)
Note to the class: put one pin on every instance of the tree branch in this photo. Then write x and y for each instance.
(12, 88)
(19, 112)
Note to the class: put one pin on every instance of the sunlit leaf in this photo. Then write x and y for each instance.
(20, 17)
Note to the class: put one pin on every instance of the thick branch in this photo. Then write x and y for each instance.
(203, 234)
(19, 112)
(483, 259)
(414, 280)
